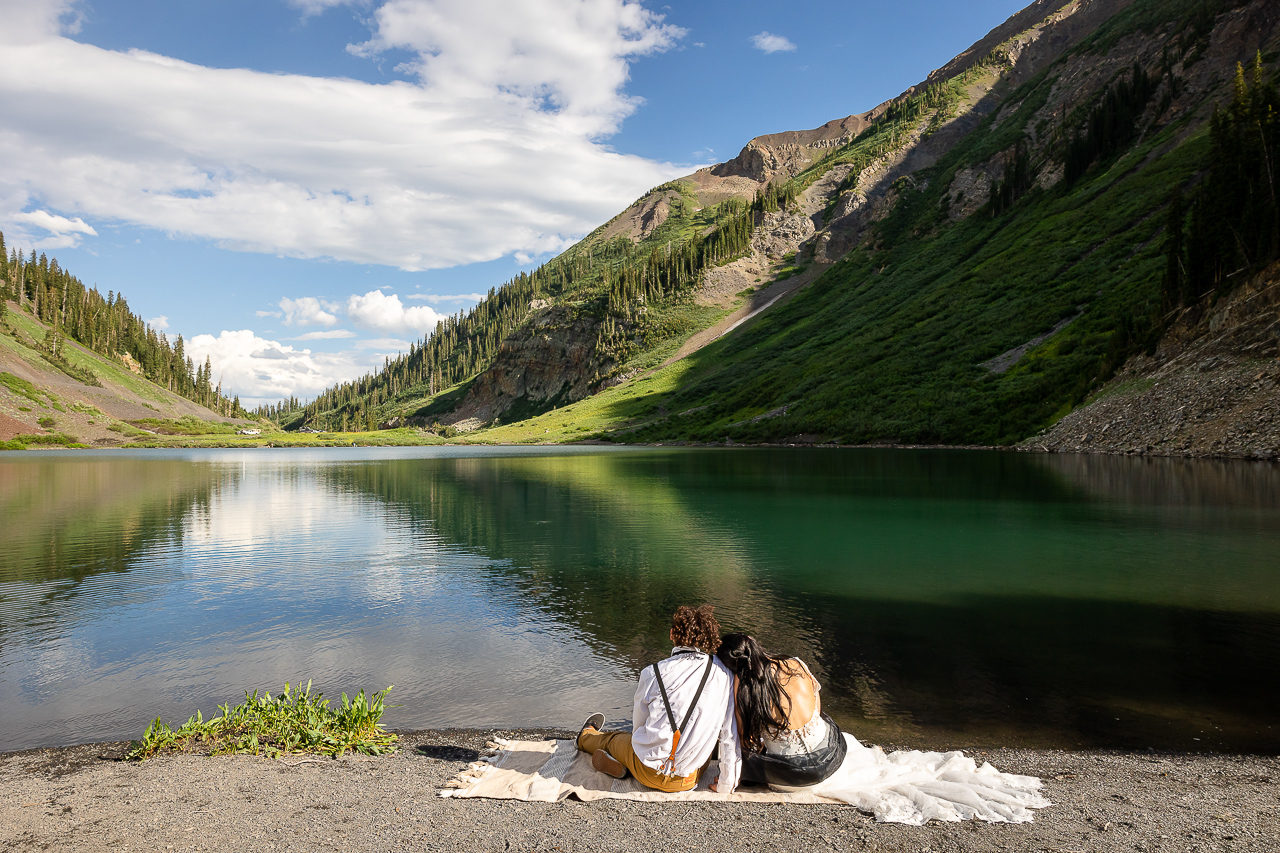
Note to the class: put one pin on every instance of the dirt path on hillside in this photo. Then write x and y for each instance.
(754, 304)
(84, 799)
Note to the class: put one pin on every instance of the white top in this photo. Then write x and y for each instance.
(712, 721)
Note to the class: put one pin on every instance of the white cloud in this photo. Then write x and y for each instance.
(493, 148)
(315, 7)
(261, 370)
(770, 43)
(384, 313)
(332, 334)
(437, 298)
(308, 311)
(268, 314)
(62, 233)
(159, 323)
(384, 346)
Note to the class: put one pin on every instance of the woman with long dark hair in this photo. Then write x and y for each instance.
(786, 740)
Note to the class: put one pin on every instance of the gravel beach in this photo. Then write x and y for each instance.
(85, 798)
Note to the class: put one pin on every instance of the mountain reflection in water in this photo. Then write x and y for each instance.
(943, 598)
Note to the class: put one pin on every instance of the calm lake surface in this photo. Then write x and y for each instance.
(944, 598)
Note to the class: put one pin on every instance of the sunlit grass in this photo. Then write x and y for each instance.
(293, 722)
(627, 404)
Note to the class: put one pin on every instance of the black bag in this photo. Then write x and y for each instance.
(797, 771)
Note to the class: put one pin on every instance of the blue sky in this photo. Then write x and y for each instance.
(302, 187)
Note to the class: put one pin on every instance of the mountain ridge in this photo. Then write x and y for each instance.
(1011, 202)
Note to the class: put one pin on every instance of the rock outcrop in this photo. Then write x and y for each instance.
(1212, 388)
(552, 359)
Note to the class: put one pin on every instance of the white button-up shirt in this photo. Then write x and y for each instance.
(712, 722)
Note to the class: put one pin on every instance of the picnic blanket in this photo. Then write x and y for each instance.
(900, 787)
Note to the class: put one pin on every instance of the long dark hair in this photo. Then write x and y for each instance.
(762, 703)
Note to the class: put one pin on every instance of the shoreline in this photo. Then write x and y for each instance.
(84, 797)
(1028, 446)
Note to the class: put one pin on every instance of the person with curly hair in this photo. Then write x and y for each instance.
(683, 709)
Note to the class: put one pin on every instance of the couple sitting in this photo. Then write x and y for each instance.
(761, 710)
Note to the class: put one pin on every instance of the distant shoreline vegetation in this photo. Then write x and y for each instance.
(105, 325)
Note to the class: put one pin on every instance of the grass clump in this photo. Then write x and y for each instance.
(126, 430)
(57, 439)
(293, 722)
(21, 387)
(185, 425)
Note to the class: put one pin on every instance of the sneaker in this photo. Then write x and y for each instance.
(606, 763)
(595, 721)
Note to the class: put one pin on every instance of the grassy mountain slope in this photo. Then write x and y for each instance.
(81, 397)
(902, 341)
(630, 294)
(978, 256)
(48, 403)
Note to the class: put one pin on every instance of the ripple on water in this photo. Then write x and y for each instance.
(942, 598)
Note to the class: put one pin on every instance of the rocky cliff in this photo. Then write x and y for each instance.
(1211, 388)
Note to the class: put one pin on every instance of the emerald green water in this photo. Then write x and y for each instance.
(944, 598)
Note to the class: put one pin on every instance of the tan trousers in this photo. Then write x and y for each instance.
(618, 744)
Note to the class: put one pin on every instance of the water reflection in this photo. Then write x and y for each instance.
(945, 598)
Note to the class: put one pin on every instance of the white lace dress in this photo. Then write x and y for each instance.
(910, 786)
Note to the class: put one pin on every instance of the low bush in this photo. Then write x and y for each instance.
(292, 722)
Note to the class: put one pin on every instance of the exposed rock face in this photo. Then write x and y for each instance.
(782, 233)
(970, 190)
(1211, 389)
(553, 357)
(787, 154)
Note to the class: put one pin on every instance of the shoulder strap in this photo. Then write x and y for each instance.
(706, 673)
(666, 703)
(671, 717)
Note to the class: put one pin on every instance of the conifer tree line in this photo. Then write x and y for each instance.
(672, 271)
(615, 274)
(1016, 181)
(1111, 125)
(460, 347)
(1230, 226)
(105, 325)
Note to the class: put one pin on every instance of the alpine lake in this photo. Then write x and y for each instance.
(945, 599)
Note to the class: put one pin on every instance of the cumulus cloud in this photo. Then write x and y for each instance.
(159, 323)
(770, 43)
(308, 311)
(493, 146)
(380, 312)
(261, 370)
(59, 231)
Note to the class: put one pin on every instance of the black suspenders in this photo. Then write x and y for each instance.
(670, 763)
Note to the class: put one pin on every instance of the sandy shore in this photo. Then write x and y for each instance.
(85, 798)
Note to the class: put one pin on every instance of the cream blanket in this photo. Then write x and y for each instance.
(900, 787)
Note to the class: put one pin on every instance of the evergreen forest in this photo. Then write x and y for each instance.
(105, 325)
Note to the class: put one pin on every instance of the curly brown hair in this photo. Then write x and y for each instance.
(696, 627)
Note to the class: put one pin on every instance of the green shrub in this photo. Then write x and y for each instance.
(295, 721)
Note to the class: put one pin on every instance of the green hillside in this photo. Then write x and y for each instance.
(1117, 193)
